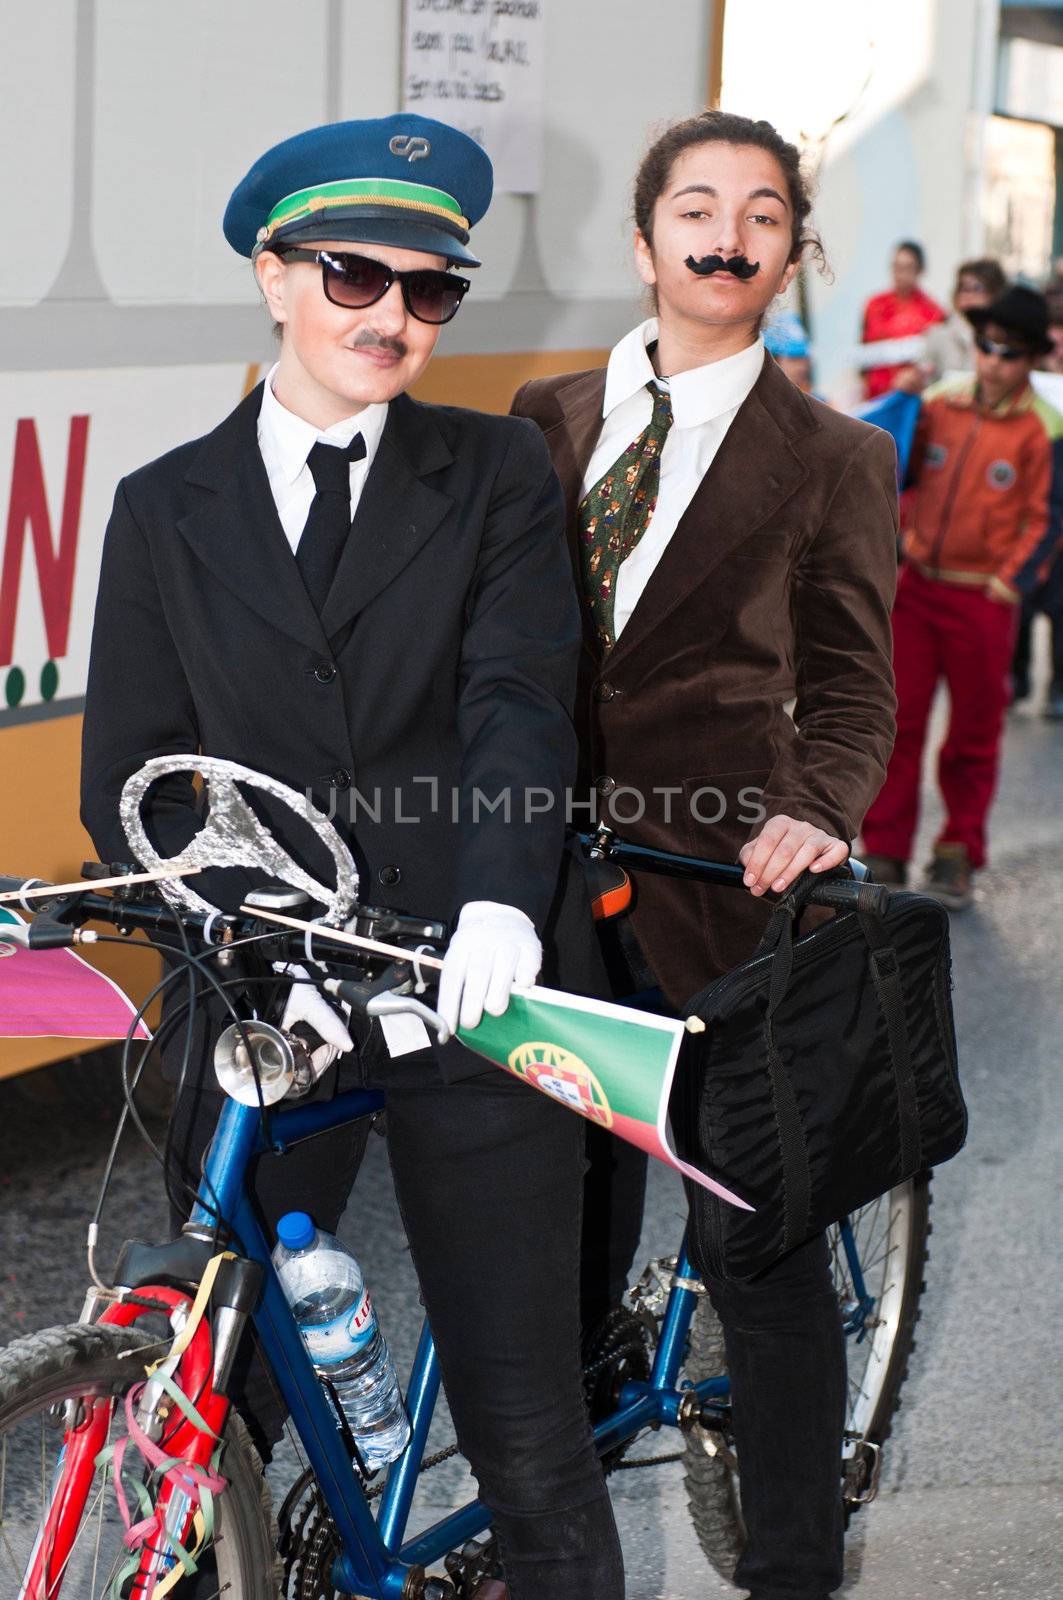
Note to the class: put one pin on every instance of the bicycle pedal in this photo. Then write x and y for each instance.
(860, 1485)
(711, 1441)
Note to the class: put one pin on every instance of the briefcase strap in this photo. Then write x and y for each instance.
(796, 1176)
(886, 976)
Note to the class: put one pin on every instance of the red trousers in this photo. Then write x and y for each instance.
(941, 630)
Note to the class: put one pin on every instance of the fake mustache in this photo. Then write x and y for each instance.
(737, 265)
(369, 340)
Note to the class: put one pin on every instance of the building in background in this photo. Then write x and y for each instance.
(935, 120)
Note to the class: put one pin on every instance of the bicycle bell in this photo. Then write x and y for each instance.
(281, 1061)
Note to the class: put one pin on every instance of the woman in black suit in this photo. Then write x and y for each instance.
(417, 662)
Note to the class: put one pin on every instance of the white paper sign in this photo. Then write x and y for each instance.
(478, 64)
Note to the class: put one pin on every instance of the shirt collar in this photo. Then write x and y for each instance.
(698, 395)
(290, 439)
(965, 395)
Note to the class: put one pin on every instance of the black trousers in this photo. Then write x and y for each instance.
(1047, 597)
(785, 1355)
(488, 1175)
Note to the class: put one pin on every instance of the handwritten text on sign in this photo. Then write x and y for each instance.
(478, 64)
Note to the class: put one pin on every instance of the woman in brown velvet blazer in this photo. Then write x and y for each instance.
(734, 543)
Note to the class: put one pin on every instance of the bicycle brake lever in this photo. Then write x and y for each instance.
(392, 1005)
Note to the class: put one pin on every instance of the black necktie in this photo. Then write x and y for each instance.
(329, 521)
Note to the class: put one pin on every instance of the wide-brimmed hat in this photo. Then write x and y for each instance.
(404, 180)
(1019, 310)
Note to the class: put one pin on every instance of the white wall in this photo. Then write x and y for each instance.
(905, 161)
(131, 121)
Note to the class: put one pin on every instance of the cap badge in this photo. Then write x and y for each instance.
(411, 147)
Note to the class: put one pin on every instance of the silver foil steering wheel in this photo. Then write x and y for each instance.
(233, 836)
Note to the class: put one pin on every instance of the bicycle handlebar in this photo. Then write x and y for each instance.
(837, 894)
(59, 921)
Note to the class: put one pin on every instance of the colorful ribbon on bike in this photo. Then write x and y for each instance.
(196, 1311)
(199, 1483)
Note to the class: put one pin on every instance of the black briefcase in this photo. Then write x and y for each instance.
(826, 1073)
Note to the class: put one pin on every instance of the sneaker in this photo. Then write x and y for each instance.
(1053, 707)
(887, 869)
(950, 877)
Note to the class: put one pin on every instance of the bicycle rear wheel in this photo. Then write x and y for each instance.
(877, 1263)
(51, 1377)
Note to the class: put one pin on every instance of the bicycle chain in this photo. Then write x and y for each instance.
(314, 1552)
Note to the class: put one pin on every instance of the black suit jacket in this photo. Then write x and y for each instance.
(439, 675)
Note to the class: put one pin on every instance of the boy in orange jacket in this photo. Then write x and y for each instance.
(984, 518)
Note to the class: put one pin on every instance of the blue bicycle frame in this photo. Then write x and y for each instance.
(373, 1559)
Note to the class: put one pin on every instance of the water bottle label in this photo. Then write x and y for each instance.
(329, 1343)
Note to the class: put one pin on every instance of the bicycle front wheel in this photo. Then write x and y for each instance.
(48, 1381)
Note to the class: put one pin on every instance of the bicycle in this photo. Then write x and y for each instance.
(155, 1351)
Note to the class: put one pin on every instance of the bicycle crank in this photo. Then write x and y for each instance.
(476, 1570)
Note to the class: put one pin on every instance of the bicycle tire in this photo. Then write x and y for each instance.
(45, 1369)
(712, 1483)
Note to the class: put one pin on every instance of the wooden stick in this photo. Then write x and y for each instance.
(47, 889)
(343, 937)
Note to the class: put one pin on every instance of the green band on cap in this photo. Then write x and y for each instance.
(363, 191)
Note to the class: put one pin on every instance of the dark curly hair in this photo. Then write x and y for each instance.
(725, 127)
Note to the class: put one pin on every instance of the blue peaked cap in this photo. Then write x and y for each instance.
(403, 180)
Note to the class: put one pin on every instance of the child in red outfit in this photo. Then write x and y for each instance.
(898, 313)
(983, 522)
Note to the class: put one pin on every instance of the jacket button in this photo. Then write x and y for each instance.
(390, 876)
(341, 778)
(604, 691)
(605, 785)
(324, 672)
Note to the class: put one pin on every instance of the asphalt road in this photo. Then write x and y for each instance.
(970, 1503)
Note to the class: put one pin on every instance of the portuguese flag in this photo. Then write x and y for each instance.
(608, 1063)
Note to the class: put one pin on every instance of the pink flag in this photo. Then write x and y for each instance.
(54, 993)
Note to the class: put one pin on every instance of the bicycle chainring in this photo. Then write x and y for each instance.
(615, 1352)
(309, 1545)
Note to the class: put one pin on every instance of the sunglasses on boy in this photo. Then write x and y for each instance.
(357, 281)
(1006, 352)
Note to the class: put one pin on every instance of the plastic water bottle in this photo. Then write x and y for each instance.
(324, 1286)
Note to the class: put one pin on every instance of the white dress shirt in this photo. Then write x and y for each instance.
(285, 441)
(705, 401)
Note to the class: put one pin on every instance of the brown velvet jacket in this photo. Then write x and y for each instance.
(775, 588)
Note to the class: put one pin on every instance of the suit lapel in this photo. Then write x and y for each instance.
(581, 422)
(571, 440)
(397, 513)
(237, 533)
(754, 472)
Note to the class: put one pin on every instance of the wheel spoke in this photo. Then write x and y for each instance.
(82, 1551)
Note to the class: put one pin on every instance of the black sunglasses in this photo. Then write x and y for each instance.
(358, 281)
(1006, 352)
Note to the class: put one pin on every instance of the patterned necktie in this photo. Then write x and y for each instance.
(329, 521)
(615, 514)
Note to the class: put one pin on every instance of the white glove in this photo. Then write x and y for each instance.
(493, 948)
(306, 1004)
